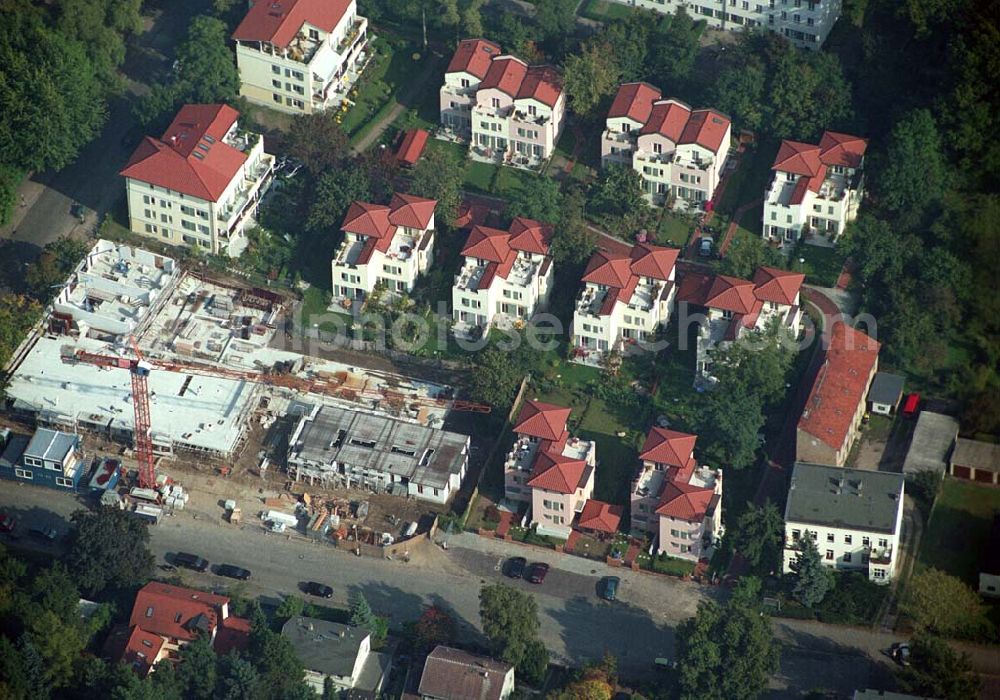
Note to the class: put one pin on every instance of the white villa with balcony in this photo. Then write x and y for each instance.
(733, 306)
(673, 500)
(626, 298)
(199, 184)
(549, 469)
(505, 279)
(508, 111)
(805, 23)
(679, 152)
(816, 190)
(389, 245)
(300, 56)
(853, 516)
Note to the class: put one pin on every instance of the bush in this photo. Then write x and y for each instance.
(663, 564)
(853, 600)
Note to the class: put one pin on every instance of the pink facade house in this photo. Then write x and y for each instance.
(680, 152)
(673, 500)
(509, 112)
(549, 469)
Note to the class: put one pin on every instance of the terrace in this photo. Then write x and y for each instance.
(591, 300)
(470, 275)
(649, 483)
(349, 251)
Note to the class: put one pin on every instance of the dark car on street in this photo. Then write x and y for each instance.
(609, 588)
(190, 561)
(230, 571)
(320, 590)
(515, 566)
(536, 572)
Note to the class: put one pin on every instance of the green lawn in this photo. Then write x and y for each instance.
(956, 536)
(821, 265)
(603, 10)
(479, 176)
(674, 230)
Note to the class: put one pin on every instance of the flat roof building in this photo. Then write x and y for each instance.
(931, 443)
(339, 652)
(352, 448)
(975, 460)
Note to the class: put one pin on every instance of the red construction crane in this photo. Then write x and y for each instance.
(140, 367)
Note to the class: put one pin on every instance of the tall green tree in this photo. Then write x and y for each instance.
(759, 536)
(510, 623)
(280, 670)
(439, 175)
(591, 76)
(812, 580)
(102, 27)
(573, 241)
(197, 669)
(746, 254)
(913, 175)
(617, 191)
(673, 49)
(318, 141)
(496, 377)
(539, 200)
(555, 18)
(938, 671)
(942, 604)
(108, 548)
(725, 653)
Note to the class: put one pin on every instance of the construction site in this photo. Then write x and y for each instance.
(174, 370)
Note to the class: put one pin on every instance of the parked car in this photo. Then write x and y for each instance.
(911, 406)
(665, 664)
(900, 653)
(231, 571)
(515, 566)
(319, 589)
(44, 533)
(609, 588)
(705, 247)
(537, 571)
(190, 561)
(78, 212)
(7, 523)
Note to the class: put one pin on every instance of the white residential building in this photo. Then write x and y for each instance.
(815, 189)
(509, 111)
(626, 298)
(733, 306)
(339, 653)
(853, 516)
(680, 152)
(390, 245)
(506, 276)
(300, 56)
(806, 23)
(200, 183)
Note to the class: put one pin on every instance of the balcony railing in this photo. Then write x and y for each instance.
(352, 35)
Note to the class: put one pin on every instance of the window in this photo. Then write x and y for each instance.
(465, 82)
(796, 534)
(657, 148)
(685, 548)
(674, 533)
(62, 481)
(149, 229)
(298, 89)
(203, 230)
(276, 70)
(276, 97)
(23, 474)
(189, 225)
(166, 219)
(496, 102)
(420, 488)
(829, 555)
(879, 574)
(866, 541)
(145, 199)
(276, 84)
(532, 110)
(299, 103)
(848, 539)
(883, 543)
(829, 537)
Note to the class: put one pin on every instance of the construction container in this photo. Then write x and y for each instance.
(150, 514)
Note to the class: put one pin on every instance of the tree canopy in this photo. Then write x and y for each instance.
(439, 175)
(938, 671)
(942, 604)
(811, 580)
(759, 536)
(108, 548)
(510, 623)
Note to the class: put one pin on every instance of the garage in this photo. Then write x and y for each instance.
(961, 472)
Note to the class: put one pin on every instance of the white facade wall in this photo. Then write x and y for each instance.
(626, 322)
(686, 171)
(356, 281)
(458, 96)
(503, 297)
(618, 142)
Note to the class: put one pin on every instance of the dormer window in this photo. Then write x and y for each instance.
(496, 102)
(657, 148)
(466, 82)
(532, 110)
(626, 128)
(314, 34)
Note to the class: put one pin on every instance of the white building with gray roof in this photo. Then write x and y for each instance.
(336, 446)
(339, 652)
(855, 518)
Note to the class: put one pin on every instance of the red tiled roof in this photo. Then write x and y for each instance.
(685, 501)
(779, 286)
(141, 649)
(653, 261)
(411, 211)
(635, 101)
(693, 288)
(412, 146)
(169, 610)
(530, 236)
(191, 157)
(706, 128)
(798, 158)
(668, 117)
(556, 472)
(731, 294)
(506, 74)
(840, 385)
(542, 420)
(368, 220)
(487, 243)
(600, 516)
(842, 149)
(542, 83)
(233, 635)
(278, 21)
(608, 270)
(473, 56)
(668, 447)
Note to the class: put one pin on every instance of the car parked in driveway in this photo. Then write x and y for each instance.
(536, 572)
(609, 588)
(515, 566)
(320, 590)
(705, 246)
(231, 571)
(190, 561)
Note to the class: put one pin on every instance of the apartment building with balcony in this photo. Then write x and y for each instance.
(508, 111)
(625, 299)
(816, 190)
(731, 307)
(199, 184)
(853, 516)
(505, 279)
(548, 468)
(300, 56)
(383, 245)
(673, 500)
(831, 418)
(805, 23)
(679, 152)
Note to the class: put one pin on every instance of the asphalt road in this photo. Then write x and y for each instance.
(575, 624)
